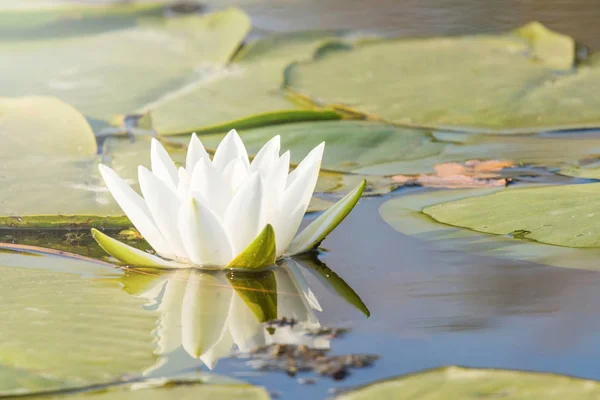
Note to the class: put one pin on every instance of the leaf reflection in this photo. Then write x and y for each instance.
(208, 312)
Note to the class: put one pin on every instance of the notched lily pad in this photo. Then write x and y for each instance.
(414, 82)
(116, 72)
(405, 215)
(559, 215)
(246, 94)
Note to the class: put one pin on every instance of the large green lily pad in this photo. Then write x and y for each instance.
(42, 126)
(472, 383)
(405, 215)
(116, 72)
(49, 161)
(61, 330)
(246, 94)
(167, 389)
(559, 215)
(521, 81)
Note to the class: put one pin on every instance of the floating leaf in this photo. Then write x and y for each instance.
(65, 222)
(588, 170)
(473, 383)
(259, 254)
(405, 215)
(43, 126)
(48, 152)
(560, 215)
(74, 351)
(351, 146)
(184, 388)
(245, 95)
(318, 229)
(416, 82)
(117, 72)
(544, 150)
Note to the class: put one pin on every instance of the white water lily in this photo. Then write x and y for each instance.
(224, 212)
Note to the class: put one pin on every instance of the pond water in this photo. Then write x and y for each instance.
(430, 304)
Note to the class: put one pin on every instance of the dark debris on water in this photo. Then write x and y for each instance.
(293, 359)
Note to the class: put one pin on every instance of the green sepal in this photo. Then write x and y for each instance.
(260, 253)
(129, 255)
(314, 233)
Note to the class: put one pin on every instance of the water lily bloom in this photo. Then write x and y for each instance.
(226, 211)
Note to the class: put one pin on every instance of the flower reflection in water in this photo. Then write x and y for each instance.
(208, 312)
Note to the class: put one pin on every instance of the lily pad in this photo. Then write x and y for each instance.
(48, 152)
(473, 383)
(93, 332)
(405, 215)
(548, 151)
(116, 72)
(446, 82)
(245, 95)
(43, 126)
(165, 389)
(350, 146)
(558, 215)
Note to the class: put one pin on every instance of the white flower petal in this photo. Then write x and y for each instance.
(230, 148)
(203, 236)
(315, 155)
(275, 183)
(235, 173)
(183, 186)
(296, 199)
(195, 152)
(245, 217)
(164, 206)
(286, 225)
(162, 165)
(267, 155)
(209, 185)
(205, 307)
(136, 209)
